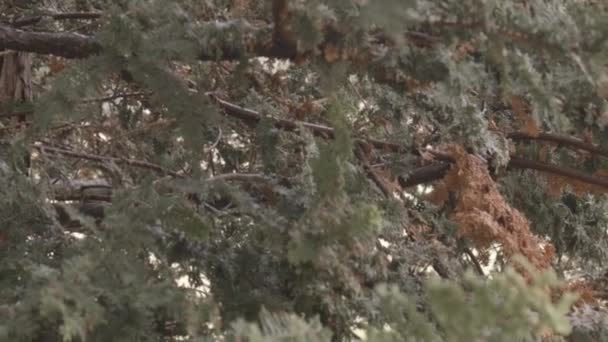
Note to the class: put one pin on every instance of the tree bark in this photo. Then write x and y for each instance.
(69, 45)
(16, 84)
(15, 77)
(254, 42)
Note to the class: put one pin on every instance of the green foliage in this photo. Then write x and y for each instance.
(249, 220)
(504, 308)
(279, 327)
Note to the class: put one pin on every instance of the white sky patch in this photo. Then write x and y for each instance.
(384, 243)
(361, 105)
(103, 137)
(77, 235)
(106, 109)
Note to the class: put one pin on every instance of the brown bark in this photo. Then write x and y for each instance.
(560, 140)
(283, 36)
(57, 16)
(15, 77)
(16, 83)
(254, 42)
(69, 45)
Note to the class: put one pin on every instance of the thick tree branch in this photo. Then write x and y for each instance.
(69, 45)
(250, 42)
(434, 172)
(82, 189)
(424, 174)
(521, 163)
(56, 16)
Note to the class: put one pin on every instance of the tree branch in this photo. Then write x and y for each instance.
(115, 96)
(560, 140)
(243, 177)
(521, 163)
(253, 117)
(82, 189)
(56, 16)
(69, 45)
(101, 189)
(386, 191)
(424, 174)
(117, 160)
(252, 41)
(434, 172)
(421, 175)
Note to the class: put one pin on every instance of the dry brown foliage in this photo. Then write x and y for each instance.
(585, 290)
(484, 216)
(522, 111)
(557, 184)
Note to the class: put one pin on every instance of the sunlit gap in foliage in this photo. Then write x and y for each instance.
(184, 281)
(274, 65)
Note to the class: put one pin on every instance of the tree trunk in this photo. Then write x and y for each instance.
(15, 76)
(16, 84)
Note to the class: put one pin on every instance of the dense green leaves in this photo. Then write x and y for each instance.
(232, 170)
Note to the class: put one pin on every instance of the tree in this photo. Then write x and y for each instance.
(303, 170)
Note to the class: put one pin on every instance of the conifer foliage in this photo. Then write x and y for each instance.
(303, 170)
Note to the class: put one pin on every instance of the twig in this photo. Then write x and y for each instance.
(117, 160)
(217, 140)
(474, 260)
(243, 177)
(371, 173)
(115, 96)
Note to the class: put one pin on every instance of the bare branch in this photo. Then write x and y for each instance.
(117, 160)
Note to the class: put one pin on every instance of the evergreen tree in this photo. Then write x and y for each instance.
(303, 170)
